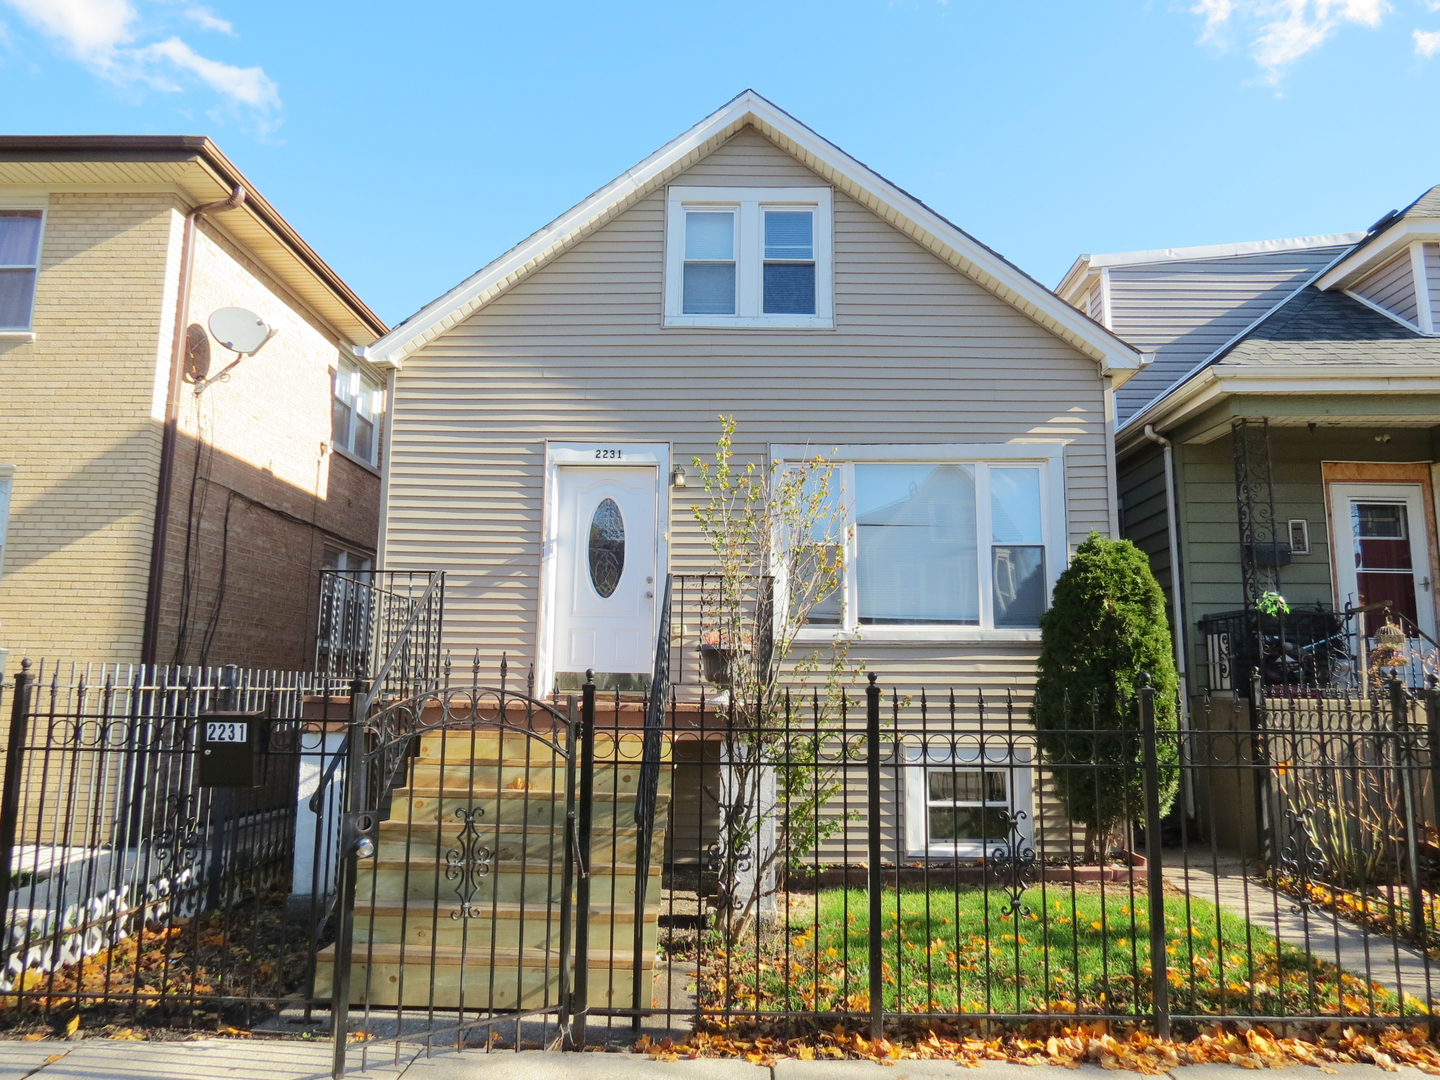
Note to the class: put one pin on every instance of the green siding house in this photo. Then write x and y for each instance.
(1283, 440)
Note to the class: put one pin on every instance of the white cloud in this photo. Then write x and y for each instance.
(249, 86)
(1427, 43)
(206, 19)
(1282, 31)
(90, 29)
(104, 35)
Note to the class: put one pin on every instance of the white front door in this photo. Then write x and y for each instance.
(606, 570)
(1382, 554)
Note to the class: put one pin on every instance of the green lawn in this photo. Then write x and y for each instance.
(954, 951)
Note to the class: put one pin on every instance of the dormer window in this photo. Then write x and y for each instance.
(749, 258)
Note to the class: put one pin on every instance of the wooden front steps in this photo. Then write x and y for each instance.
(417, 945)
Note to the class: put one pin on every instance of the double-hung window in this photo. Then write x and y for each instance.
(19, 266)
(355, 411)
(945, 541)
(965, 804)
(749, 258)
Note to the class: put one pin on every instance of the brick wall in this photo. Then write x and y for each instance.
(268, 496)
(83, 410)
(81, 426)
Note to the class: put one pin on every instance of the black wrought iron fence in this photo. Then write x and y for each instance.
(869, 856)
(140, 880)
(366, 616)
(896, 859)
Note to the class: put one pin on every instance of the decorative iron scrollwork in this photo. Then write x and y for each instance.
(730, 856)
(1014, 863)
(177, 848)
(1302, 859)
(468, 863)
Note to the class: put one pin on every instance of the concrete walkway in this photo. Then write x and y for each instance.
(1223, 882)
(223, 1059)
(233, 1059)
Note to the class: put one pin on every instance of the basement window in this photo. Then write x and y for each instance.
(749, 258)
(965, 805)
(19, 266)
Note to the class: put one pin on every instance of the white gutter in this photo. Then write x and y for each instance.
(1171, 510)
(1181, 668)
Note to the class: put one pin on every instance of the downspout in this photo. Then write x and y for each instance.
(151, 637)
(1176, 588)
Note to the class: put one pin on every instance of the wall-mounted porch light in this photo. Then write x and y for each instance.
(677, 476)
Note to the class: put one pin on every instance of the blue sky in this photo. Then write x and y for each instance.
(411, 143)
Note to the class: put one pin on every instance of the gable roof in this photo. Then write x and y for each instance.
(1387, 238)
(902, 210)
(1314, 328)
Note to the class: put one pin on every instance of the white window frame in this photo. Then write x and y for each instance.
(7, 488)
(1304, 523)
(1016, 763)
(749, 205)
(27, 332)
(360, 379)
(1050, 457)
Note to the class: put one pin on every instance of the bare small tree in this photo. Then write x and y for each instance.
(777, 535)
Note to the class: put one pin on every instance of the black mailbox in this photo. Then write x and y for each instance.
(229, 747)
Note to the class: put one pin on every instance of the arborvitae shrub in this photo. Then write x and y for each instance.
(1104, 633)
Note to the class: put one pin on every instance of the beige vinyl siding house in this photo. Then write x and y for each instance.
(577, 352)
(588, 357)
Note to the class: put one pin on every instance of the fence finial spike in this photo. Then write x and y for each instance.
(871, 677)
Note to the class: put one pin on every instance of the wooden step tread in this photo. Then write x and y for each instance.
(481, 956)
(536, 870)
(423, 912)
(516, 794)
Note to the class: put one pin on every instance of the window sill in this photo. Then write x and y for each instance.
(348, 456)
(751, 322)
(920, 635)
(25, 336)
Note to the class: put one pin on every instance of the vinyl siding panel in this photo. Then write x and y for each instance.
(1144, 516)
(1183, 311)
(1392, 287)
(1210, 532)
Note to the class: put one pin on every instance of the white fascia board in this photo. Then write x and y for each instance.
(1076, 280)
(900, 209)
(1223, 251)
(1384, 248)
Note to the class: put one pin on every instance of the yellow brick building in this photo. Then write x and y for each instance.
(108, 274)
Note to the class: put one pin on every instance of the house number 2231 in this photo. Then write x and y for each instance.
(607, 455)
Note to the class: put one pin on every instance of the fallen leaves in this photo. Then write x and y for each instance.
(1243, 1045)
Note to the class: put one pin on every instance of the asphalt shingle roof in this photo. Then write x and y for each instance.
(1427, 206)
(1316, 328)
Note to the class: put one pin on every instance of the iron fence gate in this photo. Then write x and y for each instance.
(469, 816)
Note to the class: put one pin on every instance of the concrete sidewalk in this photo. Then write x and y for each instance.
(233, 1059)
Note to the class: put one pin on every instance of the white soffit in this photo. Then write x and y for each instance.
(900, 209)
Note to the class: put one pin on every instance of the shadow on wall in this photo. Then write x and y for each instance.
(243, 554)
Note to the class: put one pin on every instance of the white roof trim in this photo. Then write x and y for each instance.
(1086, 265)
(1376, 254)
(900, 209)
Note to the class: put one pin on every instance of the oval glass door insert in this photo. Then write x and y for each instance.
(607, 547)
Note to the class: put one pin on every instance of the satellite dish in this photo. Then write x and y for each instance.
(239, 330)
